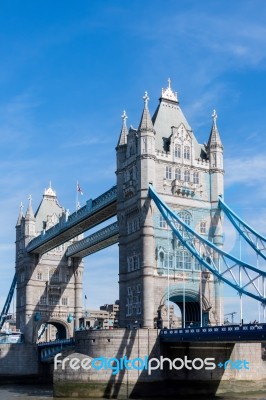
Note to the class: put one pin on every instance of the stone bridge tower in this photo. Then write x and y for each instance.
(153, 265)
(49, 286)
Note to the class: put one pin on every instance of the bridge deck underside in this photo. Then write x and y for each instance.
(69, 232)
(86, 251)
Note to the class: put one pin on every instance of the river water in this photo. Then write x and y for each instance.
(31, 392)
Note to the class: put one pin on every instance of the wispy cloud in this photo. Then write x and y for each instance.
(249, 171)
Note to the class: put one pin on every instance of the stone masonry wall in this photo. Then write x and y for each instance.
(138, 343)
(18, 359)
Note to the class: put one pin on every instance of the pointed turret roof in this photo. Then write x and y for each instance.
(214, 139)
(29, 213)
(167, 115)
(146, 122)
(20, 216)
(124, 131)
(48, 207)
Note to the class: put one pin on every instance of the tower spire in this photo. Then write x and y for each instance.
(146, 122)
(214, 139)
(29, 212)
(124, 131)
(20, 216)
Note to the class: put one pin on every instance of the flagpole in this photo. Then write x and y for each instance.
(77, 196)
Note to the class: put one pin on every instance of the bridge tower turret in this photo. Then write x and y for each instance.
(215, 154)
(154, 267)
(49, 286)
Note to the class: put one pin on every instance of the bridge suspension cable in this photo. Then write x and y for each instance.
(243, 277)
(252, 237)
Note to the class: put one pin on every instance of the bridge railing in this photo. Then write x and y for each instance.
(90, 208)
(244, 331)
(48, 350)
(57, 342)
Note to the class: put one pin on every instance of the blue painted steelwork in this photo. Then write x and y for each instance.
(214, 259)
(97, 241)
(235, 333)
(75, 223)
(43, 327)
(8, 302)
(259, 244)
(49, 349)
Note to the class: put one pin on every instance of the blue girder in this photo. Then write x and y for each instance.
(230, 263)
(5, 310)
(244, 229)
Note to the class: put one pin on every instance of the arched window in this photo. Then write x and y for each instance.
(185, 216)
(186, 152)
(178, 174)
(161, 259)
(186, 176)
(168, 172)
(177, 151)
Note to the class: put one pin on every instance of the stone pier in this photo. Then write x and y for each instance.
(139, 343)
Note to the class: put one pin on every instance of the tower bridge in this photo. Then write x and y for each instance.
(161, 169)
(168, 200)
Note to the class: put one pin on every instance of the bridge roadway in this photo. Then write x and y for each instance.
(93, 213)
(225, 333)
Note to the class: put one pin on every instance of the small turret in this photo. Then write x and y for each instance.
(146, 130)
(124, 131)
(20, 216)
(146, 147)
(29, 221)
(214, 146)
(146, 124)
(121, 147)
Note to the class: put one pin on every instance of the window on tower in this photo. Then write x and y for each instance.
(177, 151)
(186, 176)
(186, 152)
(54, 276)
(203, 227)
(43, 299)
(64, 301)
(168, 172)
(163, 223)
(54, 299)
(185, 216)
(178, 174)
(39, 276)
(196, 177)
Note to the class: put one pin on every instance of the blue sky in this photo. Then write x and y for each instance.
(68, 70)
